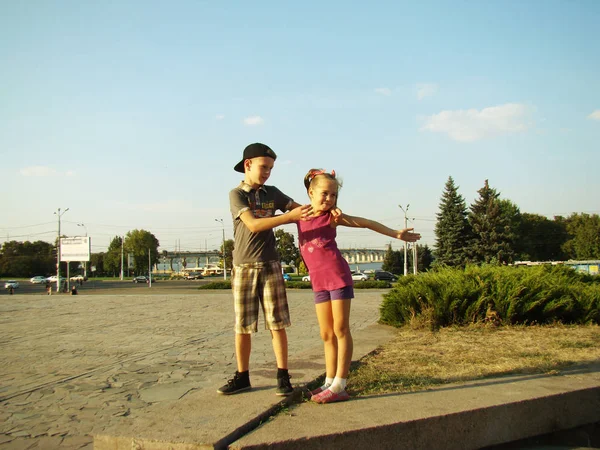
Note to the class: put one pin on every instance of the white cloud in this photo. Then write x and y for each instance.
(595, 115)
(472, 124)
(220, 116)
(253, 120)
(426, 90)
(384, 91)
(38, 171)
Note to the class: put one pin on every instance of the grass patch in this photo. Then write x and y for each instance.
(418, 359)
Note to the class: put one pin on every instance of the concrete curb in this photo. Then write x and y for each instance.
(466, 416)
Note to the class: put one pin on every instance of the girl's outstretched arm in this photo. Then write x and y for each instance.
(405, 234)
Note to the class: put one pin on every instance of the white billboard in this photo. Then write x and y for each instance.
(75, 249)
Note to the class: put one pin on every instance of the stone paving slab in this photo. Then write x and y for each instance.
(75, 366)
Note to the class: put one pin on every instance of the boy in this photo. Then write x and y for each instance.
(256, 275)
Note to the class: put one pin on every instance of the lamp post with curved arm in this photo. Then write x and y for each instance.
(405, 211)
(224, 260)
(84, 262)
(59, 215)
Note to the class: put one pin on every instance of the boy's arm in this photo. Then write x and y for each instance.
(256, 225)
(360, 222)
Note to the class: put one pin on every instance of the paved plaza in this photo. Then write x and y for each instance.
(75, 366)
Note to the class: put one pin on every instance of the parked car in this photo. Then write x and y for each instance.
(11, 284)
(140, 279)
(37, 279)
(287, 277)
(306, 278)
(52, 279)
(387, 276)
(194, 276)
(358, 276)
(77, 278)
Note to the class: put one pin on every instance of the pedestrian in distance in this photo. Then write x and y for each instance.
(48, 287)
(256, 278)
(331, 278)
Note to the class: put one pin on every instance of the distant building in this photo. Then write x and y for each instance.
(590, 267)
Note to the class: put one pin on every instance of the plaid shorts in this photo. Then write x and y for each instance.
(259, 283)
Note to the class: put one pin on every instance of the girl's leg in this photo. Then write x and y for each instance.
(341, 327)
(330, 344)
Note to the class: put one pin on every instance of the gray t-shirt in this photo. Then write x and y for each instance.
(263, 202)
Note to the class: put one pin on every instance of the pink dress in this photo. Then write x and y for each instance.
(327, 268)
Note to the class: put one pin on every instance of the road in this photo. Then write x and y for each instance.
(127, 286)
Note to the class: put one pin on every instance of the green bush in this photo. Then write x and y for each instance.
(298, 285)
(369, 284)
(223, 284)
(372, 284)
(515, 295)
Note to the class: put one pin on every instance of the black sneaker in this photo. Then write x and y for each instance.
(238, 383)
(284, 386)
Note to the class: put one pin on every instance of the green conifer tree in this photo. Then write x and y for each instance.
(491, 238)
(452, 229)
(393, 261)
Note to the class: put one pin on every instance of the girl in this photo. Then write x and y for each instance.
(331, 278)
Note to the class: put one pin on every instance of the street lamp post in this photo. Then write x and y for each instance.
(405, 243)
(224, 260)
(84, 262)
(59, 215)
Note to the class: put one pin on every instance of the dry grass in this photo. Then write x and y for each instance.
(418, 359)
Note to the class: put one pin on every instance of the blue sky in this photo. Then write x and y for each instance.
(132, 114)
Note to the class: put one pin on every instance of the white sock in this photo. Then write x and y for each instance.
(338, 385)
(328, 382)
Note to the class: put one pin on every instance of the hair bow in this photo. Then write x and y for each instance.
(314, 173)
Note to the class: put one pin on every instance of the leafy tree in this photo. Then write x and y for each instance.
(424, 258)
(228, 253)
(452, 229)
(139, 243)
(286, 247)
(584, 233)
(540, 239)
(112, 257)
(301, 266)
(393, 261)
(97, 261)
(25, 259)
(491, 238)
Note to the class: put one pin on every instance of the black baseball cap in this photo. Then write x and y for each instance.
(254, 151)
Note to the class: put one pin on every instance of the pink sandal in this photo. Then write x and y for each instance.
(316, 391)
(328, 396)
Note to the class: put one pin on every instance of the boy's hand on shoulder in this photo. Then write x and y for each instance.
(336, 214)
(407, 235)
(300, 213)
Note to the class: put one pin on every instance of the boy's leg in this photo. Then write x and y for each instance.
(280, 347)
(243, 284)
(243, 347)
(276, 311)
(277, 318)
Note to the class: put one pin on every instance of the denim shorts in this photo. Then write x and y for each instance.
(345, 293)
